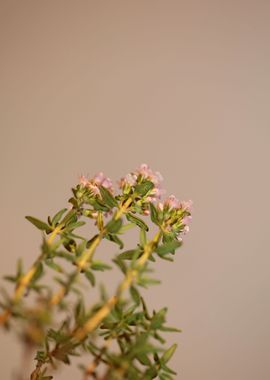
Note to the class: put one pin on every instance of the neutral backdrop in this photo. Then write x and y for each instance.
(183, 86)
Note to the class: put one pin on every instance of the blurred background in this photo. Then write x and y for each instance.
(184, 86)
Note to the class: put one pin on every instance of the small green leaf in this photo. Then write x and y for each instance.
(145, 310)
(57, 217)
(98, 205)
(51, 264)
(143, 359)
(90, 277)
(134, 219)
(39, 224)
(153, 214)
(10, 278)
(72, 226)
(121, 265)
(38, 273)
(168, 353)
(115, 239)
(99, 265)
(145, 281)
(168, 247)
(70, 245)
(70, 217)
(129, 255)
(143, 188)
(158, 318)
(126, 227)
(170, 329)
(114, 226)
(108, 198)
(19, 267)
(135, 295)
(143, 239)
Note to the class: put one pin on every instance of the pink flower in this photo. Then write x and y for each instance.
(186, 219)
(186, 230)
(146, 212)
(138, 176)
(129, 180)
(83, 180)
(148, 173)
(94, 184)
(94, 188)
(100, 180)
(186, 205)
(160, 206)
(172, 202)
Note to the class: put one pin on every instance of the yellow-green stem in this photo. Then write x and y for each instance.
(26, 279)
(86, 257)
(91, 324)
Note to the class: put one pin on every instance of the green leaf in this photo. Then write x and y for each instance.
(165, 376)
(145, 281)
(121, 265)
(168, 353)
(170, 329)
(145, 310)
(126, 227)
(153, 214)
(114, 226)
(98, 205)
(57, 217)
(51, 264)
(99, 265)
(70, 245)
(41, 356)
(169, 247)
(143, 188)
(90, 277)
(10, 278)
(115, 239)
(167, 370)
(39, 224)
(72, 226)
(38, 273)
(81, 247)
(135, 295)
(134, 219)
(108, 198)
(158, 318)
(71, 216)
(143, 359)
(143, 239)
(129, 255)
(19, 267)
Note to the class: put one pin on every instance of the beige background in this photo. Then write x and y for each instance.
(182, 85)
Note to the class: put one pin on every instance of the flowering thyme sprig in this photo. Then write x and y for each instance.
(174, 217)
(144, 186)
(59, 327)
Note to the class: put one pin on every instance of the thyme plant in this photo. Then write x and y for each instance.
(122, 338)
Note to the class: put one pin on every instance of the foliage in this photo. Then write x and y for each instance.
(59, 324)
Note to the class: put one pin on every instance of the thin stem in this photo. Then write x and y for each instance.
(88, 254)
(26, 279)
(80, 333)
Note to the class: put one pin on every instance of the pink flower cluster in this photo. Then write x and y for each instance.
(94, 183)
(178, 214)
(138, 176)
(174, 214)
(173, 203)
